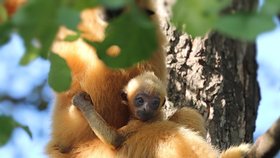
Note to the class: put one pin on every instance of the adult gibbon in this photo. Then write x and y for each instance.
(71, 136)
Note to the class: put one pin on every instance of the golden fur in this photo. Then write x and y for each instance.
(167, 139)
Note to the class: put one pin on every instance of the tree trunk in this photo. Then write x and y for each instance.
(217, 76)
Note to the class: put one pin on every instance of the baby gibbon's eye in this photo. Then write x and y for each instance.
(139, 101)
(155, 104)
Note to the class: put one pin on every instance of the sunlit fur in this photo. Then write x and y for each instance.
(236, 151)
(146, 82)
(167, 139)
(173, 138)
(191, 119)
(164, 139)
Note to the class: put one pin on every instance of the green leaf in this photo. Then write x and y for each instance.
(245, 26)
(27, 130)
(270, 7)
(68, 17)
(60, 74)
(31, 54)
(37, 20)
(3, 14)
(114, 3)
(80, 4)
(134, 33)
(71, 38)
(7, 128)
(8, 124)
(5, 32)
(196, 17)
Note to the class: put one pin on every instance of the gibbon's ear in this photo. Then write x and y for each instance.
(124, 97)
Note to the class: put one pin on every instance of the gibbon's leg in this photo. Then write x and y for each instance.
(190, 118)
(103, 131)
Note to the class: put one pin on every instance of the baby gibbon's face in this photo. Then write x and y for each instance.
(145, 106)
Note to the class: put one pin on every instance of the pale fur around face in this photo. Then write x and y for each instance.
(146, 82)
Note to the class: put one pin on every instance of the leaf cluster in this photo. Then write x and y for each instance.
(197, 17)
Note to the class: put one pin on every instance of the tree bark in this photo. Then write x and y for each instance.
(217, 76)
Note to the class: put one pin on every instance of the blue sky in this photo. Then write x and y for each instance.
(268, 46)
(18, 82)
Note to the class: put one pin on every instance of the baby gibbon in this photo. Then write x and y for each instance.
(144, 95)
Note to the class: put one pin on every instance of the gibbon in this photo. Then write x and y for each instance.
(144, 95)
(71, 136)
(147, 134)
(149, 91)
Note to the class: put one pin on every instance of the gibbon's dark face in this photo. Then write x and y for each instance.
(111, 13)
(146, 106)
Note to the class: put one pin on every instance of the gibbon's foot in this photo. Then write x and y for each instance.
(82, 101)
(240, 151)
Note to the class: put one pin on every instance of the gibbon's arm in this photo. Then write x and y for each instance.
(103, 131)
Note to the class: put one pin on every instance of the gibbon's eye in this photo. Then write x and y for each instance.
(149, 12)
(139, 101)
(110, 14)
(155, 104)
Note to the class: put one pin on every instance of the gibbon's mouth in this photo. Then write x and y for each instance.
(144, 116)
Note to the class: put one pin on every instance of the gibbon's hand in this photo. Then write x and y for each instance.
(82, 101)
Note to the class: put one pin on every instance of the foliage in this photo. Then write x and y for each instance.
(245, 25)
(199, 16)
(134, 28)
(3, 14)
(39, 31)
(59, 75)
(38, 20)
(8, 124)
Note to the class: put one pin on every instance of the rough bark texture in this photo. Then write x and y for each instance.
(216, 75)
